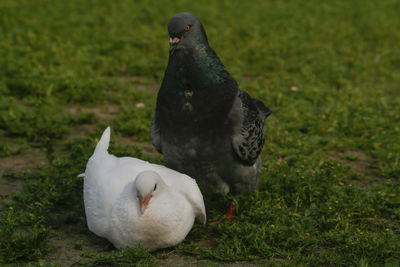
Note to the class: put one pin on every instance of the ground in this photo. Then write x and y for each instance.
(329, 191)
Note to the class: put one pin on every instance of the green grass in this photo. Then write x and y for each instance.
(329, 191)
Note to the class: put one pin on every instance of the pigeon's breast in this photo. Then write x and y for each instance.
(196, 89)
(193, 151)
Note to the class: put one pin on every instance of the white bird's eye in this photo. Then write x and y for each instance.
(155, 187)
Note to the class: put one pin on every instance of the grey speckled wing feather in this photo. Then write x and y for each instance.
(248, 138)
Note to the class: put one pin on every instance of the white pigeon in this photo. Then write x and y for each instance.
(132, 202)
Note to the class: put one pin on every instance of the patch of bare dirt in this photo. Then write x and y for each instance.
(141, 83)
(361, 163)
(69, 247)
(176, 260)
(28, 161)
(105, 112)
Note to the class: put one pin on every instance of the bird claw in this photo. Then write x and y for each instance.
(229, 214)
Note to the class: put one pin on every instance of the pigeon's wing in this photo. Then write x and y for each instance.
(248, 138)
(155, 134)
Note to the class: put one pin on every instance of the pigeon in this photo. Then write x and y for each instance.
(204, 124)
(132, 202)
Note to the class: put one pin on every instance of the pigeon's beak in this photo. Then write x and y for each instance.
(173, 42)
(144, 202)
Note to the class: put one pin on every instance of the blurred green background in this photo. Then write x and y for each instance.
(330, 71)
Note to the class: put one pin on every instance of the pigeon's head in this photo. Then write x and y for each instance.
(148, 184)
(186, 30)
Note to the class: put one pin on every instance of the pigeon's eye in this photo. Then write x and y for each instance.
(188, 28)
(155, 187)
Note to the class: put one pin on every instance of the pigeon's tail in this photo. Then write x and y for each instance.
(102, 145)
(262, 108)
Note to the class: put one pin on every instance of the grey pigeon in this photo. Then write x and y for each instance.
(204, 125)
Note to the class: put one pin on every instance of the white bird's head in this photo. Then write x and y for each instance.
(148, 184)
